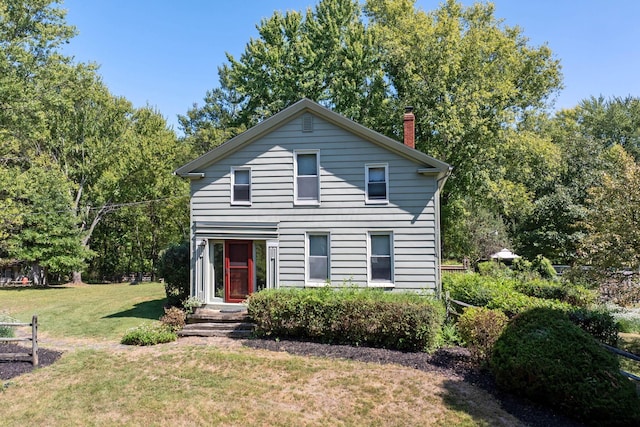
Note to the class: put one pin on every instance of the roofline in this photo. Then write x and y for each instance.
(300, 107)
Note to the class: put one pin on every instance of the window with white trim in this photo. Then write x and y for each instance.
(307, 177)
(377, 183)
(241, 186)
(381, 257)
(318, 260)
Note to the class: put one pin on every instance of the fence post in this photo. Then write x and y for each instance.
(34, 340)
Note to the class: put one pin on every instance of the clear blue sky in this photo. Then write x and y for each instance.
(166, 53)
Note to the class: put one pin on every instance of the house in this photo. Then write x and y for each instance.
(309, 198)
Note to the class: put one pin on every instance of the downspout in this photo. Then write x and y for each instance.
(441, 181)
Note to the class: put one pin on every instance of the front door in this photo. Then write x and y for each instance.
(238, 282)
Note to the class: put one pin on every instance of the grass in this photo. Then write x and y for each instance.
(204, 385)
(92, 311)
(186, 384)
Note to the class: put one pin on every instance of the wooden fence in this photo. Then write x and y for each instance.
(34, 342)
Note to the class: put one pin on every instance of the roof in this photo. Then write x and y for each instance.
(428, 164)
(505, 254)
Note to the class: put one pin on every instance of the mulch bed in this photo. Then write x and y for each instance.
(13, 368)
(454, 363)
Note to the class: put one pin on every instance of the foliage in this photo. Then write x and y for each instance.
(174, 318)
(449, 335)
(513, 296)
(191, 303)
(73, 154)
(480, 328)
(350, 316)
(173, 266)
(612, 222)
(7, 331)
(544, 357)
(149, 335)
(598, 322)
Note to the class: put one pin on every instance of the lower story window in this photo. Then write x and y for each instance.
(318, 257)
(381, 258)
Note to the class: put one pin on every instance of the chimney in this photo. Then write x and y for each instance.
(409, 127)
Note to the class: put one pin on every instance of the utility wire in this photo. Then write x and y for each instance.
(110, 207)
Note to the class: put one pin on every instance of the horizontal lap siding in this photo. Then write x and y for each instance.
(343, 213)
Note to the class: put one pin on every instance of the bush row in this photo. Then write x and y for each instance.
(514, 296)
(371, 318)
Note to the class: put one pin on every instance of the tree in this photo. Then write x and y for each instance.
(469, 77)
(49, 238)
(326, 54)
(613, 218)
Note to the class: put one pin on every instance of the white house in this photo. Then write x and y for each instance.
(309, 198)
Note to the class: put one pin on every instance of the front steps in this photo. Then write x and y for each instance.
(228, 322)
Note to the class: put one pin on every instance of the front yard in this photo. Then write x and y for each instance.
(200, 383)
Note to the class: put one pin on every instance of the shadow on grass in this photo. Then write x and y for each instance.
(145, 310)
(32, 288)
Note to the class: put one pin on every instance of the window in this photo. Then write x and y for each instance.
(318, 258)
(377, 177)
(381, 257)
(307, 183)
(241, 186)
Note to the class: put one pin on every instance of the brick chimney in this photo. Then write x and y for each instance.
(409, 127)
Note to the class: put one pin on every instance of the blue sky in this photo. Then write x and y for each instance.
(166, 53)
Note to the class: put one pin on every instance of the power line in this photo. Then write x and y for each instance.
(110, 207)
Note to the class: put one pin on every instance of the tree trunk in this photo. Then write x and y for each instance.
(39, 275)
(76, 278)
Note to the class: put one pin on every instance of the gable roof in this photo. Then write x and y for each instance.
(428, 164)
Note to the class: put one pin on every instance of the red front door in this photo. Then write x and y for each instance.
(238, 283)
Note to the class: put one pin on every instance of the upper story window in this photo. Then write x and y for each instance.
(381, 257)
(307, 177)
(377, 183)
(318, 260)
(241, 186)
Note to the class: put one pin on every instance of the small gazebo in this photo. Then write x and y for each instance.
(505, 255)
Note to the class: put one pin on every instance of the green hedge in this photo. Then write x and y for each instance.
(544, 356)
(514, 296)
(353, 316)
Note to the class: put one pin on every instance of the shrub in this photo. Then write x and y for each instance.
(494, 269)
(174, 318)
(449, 335)
(545, 357)
(173, 266)
(562, 291)
(149, 335)
(480, 328)
(543, 267)
(350, 316)
(599, 323)
(7, 331)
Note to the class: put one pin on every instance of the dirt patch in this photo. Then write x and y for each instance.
(13, 368)
(454, 363)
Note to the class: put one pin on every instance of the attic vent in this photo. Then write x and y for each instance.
(307, 123)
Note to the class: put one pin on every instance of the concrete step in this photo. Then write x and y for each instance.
(218, 329)
(204, 315)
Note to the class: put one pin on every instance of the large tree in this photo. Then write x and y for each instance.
(613, 217)
(326, 54)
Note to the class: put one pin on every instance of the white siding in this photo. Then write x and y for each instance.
(410, 213)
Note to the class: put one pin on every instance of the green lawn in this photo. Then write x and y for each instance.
(91, 311)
